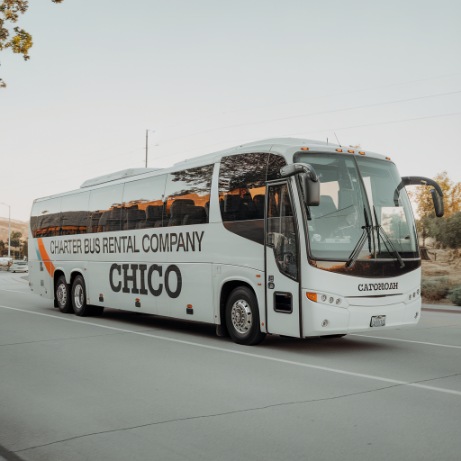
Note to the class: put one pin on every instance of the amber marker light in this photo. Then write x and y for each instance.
(351, 151)
(304, 148)
(311, 296)
(362, 152)
(339, 150)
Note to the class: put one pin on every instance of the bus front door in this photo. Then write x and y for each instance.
(282, 262)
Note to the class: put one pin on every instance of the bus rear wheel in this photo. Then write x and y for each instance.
(78, 296)
(242, 317)
(62, 295)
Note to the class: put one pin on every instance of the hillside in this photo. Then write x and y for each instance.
(18, 226)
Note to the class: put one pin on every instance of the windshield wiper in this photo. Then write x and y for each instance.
(366, 234)
(387, 241)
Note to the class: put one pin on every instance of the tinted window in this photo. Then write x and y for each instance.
(105, 209)
(143, 203)
(75, 216)
(188, 196)
(242, 191)
(46, 218)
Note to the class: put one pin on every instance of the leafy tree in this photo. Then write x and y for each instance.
(446, 231)
(15, 238)
(17, 39)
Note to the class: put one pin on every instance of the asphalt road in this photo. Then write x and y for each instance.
(134, 387)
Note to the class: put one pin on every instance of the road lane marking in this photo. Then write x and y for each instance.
(249, 354)
(407, 341)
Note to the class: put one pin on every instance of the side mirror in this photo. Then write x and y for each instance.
(436, 192)
(309, 181)
(311, 190)
(437, 199)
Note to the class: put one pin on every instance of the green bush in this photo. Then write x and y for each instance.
(455, 296)
(435, 289)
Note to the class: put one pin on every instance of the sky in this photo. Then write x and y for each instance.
(205, 75)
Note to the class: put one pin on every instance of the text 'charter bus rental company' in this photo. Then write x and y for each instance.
(284, 236)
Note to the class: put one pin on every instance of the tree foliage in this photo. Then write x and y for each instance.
(447, 231)
(11, 36)
(15, 238)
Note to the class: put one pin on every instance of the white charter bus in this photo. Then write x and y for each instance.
(284, 236)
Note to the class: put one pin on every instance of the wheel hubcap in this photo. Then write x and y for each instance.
(61, 294)
(78, 297)
(242, 319)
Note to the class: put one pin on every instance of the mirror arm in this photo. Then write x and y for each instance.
(437, 194)
(296, 168)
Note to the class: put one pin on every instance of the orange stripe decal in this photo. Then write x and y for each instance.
(45, 258)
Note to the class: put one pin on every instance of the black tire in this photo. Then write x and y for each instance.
(78, 297)
(62, 295)
(242, 317)
(79, 304)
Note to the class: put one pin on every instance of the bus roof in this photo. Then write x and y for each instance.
(286, 147)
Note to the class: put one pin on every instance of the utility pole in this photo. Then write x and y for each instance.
(9, 228)
(147, 144)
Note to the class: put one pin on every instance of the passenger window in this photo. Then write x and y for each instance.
(75, 215)
(241, 177)
(242, 191)
(106, 211)
(143, 203)
(46, 218)
(188, 196)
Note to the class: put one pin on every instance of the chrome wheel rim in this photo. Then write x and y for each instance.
(78, 297)
(241, 316)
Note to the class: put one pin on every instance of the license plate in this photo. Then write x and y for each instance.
(378, 321)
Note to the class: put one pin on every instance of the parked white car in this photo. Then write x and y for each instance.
(19, 266)
(5, 263)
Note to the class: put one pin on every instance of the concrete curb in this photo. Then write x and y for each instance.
(442, 308)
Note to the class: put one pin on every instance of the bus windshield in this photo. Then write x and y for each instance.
(360, 215)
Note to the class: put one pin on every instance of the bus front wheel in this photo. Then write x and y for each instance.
(62, 295)
(242, 317)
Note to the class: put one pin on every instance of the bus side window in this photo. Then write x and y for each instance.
(242, 184)
(142, 203)
(242, 191)
(106, 202)
(75, 216)
(187, 195)
(46, 216)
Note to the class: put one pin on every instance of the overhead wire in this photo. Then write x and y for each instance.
(312, 114)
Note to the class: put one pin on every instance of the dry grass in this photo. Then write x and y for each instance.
(444, 264)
